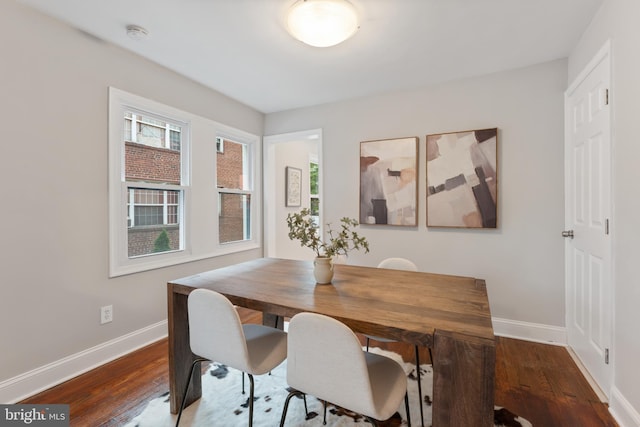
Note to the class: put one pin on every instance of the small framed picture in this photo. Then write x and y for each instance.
(293, 186)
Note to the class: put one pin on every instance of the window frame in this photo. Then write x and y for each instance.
(250, 168)
(198, 217)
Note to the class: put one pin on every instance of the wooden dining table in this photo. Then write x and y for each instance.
(449, 314)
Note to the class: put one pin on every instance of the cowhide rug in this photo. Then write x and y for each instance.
(223, 404)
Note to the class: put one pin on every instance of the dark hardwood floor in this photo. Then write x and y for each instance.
(537, 381)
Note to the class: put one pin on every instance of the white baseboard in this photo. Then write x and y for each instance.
(22, 386)
(623, 412)
(29, 383)
(530, 331)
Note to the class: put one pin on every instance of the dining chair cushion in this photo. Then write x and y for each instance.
(265, 346)
(216, 333)
(326, 360)
(398, 264)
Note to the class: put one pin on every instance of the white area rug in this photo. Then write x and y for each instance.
(223, 404)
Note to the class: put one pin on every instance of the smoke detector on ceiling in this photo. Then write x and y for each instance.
(136, 32)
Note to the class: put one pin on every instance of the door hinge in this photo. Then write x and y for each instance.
(606, 356)
(606, 226)
(606, 97)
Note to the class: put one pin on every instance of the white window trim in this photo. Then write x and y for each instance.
(197, 244)
(252, 142)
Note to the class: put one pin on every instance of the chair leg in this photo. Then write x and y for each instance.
(306, 409)
(367, 343)
(324, 418)
(286, 404)
(419, 387)
(243, 383)
(373, 421)
(275, 325)
(406, 408)
(186, 389)
(251, 389)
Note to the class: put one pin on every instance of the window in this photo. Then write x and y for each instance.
(234, 191)
(219, 144)
(151, 132)
(313, 188)
(152, 147)
(162, 210)
(152, 207)
(314, 202)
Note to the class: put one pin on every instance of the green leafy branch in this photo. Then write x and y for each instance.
(340, 242)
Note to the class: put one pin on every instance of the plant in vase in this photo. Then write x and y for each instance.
(303, 228)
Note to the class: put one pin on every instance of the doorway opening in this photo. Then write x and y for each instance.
(303, 151)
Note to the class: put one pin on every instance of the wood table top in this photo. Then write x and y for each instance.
(396, 304)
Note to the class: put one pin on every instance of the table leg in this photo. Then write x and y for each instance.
(272, 320)
(464, 380)
(180, 355)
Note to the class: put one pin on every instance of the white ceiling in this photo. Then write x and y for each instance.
(241, 47)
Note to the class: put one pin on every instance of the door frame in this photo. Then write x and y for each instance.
(269, 181)
(604, 53)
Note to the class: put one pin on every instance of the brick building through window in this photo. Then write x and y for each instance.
(152, 155)
(173, 199)
(234, 203)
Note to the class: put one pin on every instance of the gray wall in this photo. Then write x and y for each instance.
(53, 104)
(523, 260)
(618, 21)
(53, 101)
(295, 154)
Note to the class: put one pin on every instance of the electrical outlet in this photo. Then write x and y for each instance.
(106, 314)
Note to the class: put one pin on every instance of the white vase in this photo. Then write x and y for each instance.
(323, 270)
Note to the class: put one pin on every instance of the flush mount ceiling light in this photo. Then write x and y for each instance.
(322, 23)
(136, 32)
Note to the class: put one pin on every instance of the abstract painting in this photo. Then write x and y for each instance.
(462, 179)
(388, 182)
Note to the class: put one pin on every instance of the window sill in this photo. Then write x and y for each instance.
(142, 264)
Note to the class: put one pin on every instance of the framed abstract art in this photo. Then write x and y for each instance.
(462, 179)
(388, 182)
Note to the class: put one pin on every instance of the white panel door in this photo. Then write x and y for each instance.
(588, 209)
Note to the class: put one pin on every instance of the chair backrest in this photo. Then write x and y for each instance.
(398, 264)
(325, 359)
(215, 329)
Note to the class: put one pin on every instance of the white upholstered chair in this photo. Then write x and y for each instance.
(217, 334)
(407, 265)
(398, 264)
(325, 359)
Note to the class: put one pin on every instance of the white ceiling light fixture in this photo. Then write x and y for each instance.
(137, 33)
(322, 23)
